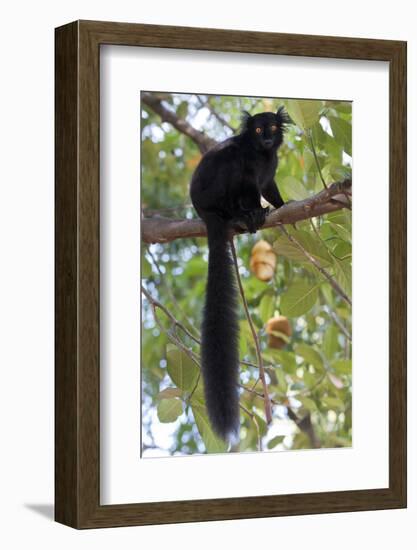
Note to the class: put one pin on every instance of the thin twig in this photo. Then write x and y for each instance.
(255, 421)
(215, 113)
(317, 265)
(301, 423)
(338, 322)
(155, 304)
(153, 101)
(267, 402)
(316, 159)
(306, 426)
(172, 295)
(195, 386)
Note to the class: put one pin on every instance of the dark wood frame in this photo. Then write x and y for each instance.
(77, 382)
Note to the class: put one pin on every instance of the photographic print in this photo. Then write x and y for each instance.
(246, 315)
(204, 271)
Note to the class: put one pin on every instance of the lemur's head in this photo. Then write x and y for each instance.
(265, 130)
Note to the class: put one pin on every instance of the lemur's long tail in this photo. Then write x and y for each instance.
(220, 334)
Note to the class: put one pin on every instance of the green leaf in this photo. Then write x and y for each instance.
(343, 232)
(340, 217)
(282, 380)
(284, 247)
(309, 242)
(343, 274)
(266, 307)
(310, 355)
(330, 343)
(342, 250)
(308, 403)
(169, 410)
(182, 110)
(275, 441)
(198, 398)
(181, 368)
(292, 189)
(342, 366)
(284, 358)
(299, 298)
(340, 106)
(167, 393)
(342, 132)
(334, 403)
(304, 112)
(246, 338)
(196, 267)
(146, 268)
(211, 441)
(313, 245)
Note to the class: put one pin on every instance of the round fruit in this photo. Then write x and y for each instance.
(263, 261)
(277, 327)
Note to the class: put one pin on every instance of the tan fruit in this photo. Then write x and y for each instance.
(274, 327)
(263, 261)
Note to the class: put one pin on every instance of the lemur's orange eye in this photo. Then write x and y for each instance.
(273, 128)
(258, 130)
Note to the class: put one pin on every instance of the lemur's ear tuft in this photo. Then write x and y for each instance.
(283, 118)
(244, 120)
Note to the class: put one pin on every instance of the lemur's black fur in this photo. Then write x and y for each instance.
(226, 191)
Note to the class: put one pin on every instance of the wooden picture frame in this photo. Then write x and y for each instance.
(77, 373)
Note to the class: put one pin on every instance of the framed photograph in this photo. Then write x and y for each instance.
(230, 274)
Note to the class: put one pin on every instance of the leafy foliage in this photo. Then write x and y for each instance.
(311, 377)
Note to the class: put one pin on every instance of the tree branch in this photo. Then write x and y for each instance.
(216, 115)
(161, 230)
(153, 102)
(317, 265)
(267, 402)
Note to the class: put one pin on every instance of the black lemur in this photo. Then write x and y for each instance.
(226, 190)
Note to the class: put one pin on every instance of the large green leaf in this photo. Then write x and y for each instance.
(278, 357)
(267, 307)
(211, 441)
(146, 268)
(310, 355)
(334, 403)
(304, 112)
(169, 410)
(309, 242)
(342, 250)
(181, 368)
(167, 393)
(308, 403)
(292, 189)
(299, 298)
(275, 441)
(342, 132)
(342, 366)
(330, 342)
(284, 247)
(312, 244)
(343, 274)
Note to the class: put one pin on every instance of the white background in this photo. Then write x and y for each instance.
(26, 289)
(125, 478)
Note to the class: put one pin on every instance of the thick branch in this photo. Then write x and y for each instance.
(204, 142)
(162, 230)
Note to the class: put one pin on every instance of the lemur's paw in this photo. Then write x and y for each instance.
(259, 216)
